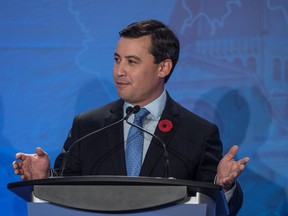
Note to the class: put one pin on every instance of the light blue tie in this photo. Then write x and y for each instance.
(134, 146)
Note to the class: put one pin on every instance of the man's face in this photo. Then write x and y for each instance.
(137, 79)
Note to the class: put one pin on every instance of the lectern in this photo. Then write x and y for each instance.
(120, 195)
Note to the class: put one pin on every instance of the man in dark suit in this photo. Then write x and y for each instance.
(145, 57)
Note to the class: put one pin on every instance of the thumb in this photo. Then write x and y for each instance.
(40, 152)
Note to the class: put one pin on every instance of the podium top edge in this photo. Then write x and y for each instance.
(114, 180)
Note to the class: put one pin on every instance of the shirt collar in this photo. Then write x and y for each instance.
(155, 107)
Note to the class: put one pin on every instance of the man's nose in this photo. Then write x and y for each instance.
(120, 69)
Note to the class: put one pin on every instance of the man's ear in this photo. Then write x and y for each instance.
(165, 68)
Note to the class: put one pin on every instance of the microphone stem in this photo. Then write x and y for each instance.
(165, 154)
(66, 153)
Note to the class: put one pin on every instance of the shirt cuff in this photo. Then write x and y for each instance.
(229, 194)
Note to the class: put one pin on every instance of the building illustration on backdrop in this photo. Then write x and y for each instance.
(246, 42)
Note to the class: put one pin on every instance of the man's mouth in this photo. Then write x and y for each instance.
(121, 84)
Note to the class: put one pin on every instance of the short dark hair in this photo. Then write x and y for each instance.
(165, 44)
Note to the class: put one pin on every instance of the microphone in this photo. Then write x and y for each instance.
(165, 152)
(129, 111)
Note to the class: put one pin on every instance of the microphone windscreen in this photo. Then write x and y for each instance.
(129, 110)
(136, 109)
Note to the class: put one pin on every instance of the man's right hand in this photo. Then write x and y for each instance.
(32, 166)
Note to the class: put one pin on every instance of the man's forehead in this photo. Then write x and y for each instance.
(133, 46)
(144, 41)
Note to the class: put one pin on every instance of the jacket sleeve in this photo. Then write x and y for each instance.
(65, 155)
(236, 201)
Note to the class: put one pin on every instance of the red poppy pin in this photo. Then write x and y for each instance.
(165, 125)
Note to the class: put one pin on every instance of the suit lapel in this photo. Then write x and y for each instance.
(155, 150)
(116, 139)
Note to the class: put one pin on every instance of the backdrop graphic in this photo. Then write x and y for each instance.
(56, 60)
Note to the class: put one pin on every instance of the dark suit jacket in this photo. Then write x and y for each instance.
(193, 145)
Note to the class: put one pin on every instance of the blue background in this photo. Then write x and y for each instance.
(56, 60)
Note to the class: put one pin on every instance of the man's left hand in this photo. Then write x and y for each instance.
(228, 170)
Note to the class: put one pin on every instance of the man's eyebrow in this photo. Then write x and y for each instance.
(128, 57)
(134, 57)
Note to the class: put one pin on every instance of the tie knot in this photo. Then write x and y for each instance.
(139, 116)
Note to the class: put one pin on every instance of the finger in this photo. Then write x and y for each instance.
(232, 152)
(40, 152)
(240, 169)
(20, 156)
(26, 177)
(15, 165)
(23, 177)
(243, 161)
(234, 175)
(17, 172)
